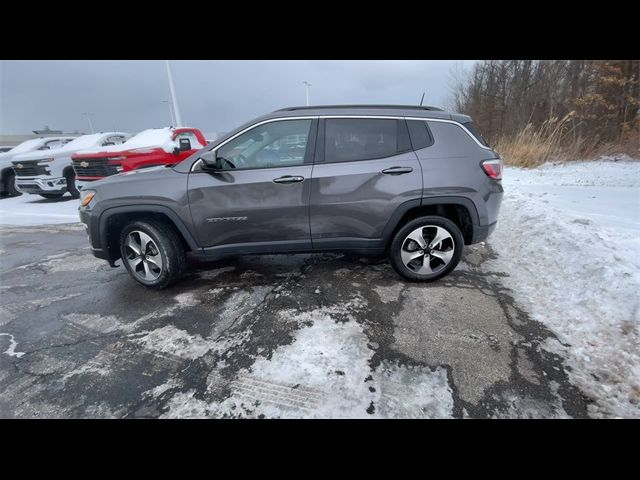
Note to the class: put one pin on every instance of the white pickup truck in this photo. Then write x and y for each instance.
(50, 173)
(7, 175)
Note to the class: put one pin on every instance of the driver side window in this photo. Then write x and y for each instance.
(275, 144)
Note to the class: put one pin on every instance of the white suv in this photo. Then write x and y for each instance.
(50, 173)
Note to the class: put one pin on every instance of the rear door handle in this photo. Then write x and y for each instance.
(288, 179)
(397, 170)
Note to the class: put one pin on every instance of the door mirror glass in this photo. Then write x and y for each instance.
(209, 160)
(185, 144)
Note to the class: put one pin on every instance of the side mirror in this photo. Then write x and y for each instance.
(210, 162)
(185, 144)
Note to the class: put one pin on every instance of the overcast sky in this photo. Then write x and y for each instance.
(214, 96)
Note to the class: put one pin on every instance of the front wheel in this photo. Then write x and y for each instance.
(71, 184)
(426, 248)
(10, 185)
(152, 253)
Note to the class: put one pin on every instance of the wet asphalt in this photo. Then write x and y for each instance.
(311, 336)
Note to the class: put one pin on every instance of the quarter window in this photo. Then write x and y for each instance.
(351, 139)
(420, 137)
(275, 144)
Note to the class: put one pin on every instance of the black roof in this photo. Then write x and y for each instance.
(376, 107)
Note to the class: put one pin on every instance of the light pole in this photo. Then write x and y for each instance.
(307, 85)
(173, 122)
(173, 96)
(88, 115)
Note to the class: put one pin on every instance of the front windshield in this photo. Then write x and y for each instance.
(27, 146)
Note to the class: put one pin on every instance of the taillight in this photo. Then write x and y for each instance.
(493, 168)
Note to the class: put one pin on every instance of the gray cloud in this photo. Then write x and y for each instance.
(214, 96)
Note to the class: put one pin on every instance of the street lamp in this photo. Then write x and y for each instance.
(173, 122)
(307, 85)
(173, 95)
(88, 115)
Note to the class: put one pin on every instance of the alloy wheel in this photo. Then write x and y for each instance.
(427, 250)
(143, 255)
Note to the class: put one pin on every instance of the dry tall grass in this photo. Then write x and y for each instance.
(556, 139)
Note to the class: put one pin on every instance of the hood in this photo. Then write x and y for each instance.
(37, 155)
(133, 175)
(151, 139)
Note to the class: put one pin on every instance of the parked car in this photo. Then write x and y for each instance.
(150, 148)
(7, 175)
(50, 173)
(414, 182)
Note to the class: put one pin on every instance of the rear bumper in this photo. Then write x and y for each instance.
(482, 232)
(41, 185)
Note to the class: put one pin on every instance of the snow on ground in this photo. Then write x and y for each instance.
(28, 209)
(568, 236)
(325, 373)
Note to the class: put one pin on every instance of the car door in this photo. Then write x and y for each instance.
(364, 170)
(258, 199)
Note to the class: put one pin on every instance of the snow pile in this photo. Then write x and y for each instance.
(151, 138)
(568, 235)
(86, 141)
(28, 209)
(24, 147)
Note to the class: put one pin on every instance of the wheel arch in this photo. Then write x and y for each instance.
(460, 210)
(113, 220)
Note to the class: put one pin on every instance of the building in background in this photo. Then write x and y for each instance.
(15, 139)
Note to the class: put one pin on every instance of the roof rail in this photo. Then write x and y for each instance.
(398, 107)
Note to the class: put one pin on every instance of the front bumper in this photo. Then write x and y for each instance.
(41, 185)
(91, 229)
(81, 184)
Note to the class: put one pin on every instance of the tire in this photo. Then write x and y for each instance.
(164, 261)
(51, 195)
(71, 184)
(10, 185)
(407, 255)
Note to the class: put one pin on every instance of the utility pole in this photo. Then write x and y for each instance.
(307, 85)
(173, 121)
(88, 115)
(173, 96)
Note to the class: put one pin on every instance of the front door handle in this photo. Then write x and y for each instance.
(397, 170)
(288, 179)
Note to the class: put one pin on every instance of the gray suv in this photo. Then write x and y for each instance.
(416, 183)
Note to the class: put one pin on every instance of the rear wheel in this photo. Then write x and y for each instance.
(152, 253)
(10, 185)
(51, 195)
(426, 248)
(71, 184)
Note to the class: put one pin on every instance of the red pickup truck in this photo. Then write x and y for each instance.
(149, 148)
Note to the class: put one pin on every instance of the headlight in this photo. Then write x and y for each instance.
(86, 196)
(47, 160)
(115, 159)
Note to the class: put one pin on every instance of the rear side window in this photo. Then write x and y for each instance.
(351, 139)
(475, 132)
(420, 136)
